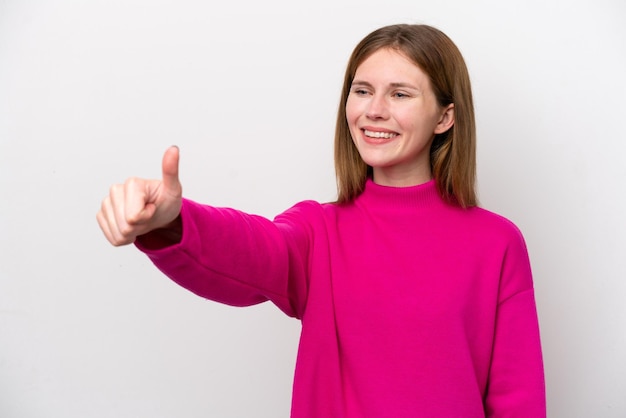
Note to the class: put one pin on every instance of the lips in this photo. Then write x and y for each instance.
(378, 136)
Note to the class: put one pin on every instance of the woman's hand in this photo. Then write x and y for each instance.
(140, 206)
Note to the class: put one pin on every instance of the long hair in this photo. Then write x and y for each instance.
(452, 153)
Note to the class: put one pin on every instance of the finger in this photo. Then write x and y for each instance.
(136, 201)
(103, 222)
(171, 182)
(114, 209)
(122, 230)
(109, 224)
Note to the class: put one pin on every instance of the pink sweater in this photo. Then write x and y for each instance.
(410, 307)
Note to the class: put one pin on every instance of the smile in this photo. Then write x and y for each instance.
(377, 134)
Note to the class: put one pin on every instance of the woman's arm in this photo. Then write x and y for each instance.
(235, 258)
(220, 254)
(516, 387)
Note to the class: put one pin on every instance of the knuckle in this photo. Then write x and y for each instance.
(114, 189)
(105, 204)
(132, 183)
(132, 220)
(135, 218)
(126, 231)
(120, 242)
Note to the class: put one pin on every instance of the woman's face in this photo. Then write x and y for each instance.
(393, 117)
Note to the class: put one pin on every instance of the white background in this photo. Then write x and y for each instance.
(92, 92)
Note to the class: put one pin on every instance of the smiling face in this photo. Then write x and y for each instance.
(393, 117)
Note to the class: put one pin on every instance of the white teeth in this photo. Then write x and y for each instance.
(386, 135)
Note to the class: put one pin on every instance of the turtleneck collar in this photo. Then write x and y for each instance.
(421, 196)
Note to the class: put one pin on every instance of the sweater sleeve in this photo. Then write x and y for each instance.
(238, 259)
(516, 379)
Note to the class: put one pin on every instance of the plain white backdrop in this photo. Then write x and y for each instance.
(94, 92)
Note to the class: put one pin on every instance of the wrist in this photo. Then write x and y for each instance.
(165, 236)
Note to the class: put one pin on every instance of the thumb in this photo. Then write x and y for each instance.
(171, 183)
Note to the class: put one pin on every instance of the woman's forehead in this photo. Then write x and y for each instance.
(391, 64)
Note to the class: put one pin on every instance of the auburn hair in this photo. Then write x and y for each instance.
(452, 153)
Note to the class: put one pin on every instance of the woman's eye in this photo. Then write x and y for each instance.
(400, 95)
(360, 92)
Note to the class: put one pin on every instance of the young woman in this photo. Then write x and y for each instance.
(414, 302)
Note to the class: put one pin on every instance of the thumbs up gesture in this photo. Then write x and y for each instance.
(140, 206)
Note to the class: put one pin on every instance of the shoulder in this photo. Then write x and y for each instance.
(487, 235)
(307, 214)
(497, 230)
(493, 225)
(305, 210)
(516, 272)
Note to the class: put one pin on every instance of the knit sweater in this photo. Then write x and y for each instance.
(410, 307)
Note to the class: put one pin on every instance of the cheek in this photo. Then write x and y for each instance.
(412, 120)
(353, 111)
(349, 112)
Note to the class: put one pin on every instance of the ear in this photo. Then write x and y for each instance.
(446, 120)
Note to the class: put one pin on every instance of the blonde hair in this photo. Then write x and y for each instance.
(453, 153)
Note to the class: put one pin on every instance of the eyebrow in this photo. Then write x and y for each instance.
(394, 85)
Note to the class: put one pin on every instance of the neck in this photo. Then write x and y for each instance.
(401, 178)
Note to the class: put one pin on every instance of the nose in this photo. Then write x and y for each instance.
(377, 108)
